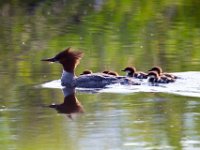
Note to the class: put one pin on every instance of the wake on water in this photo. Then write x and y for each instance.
(187, 85)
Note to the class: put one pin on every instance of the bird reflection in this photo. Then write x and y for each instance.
(71, 105)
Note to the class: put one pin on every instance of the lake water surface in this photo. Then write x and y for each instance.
(112, 34)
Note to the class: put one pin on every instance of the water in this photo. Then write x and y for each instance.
(113, 35)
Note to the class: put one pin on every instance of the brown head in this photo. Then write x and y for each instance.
(113, 73)
(129, 71)
(110, 72)
(157, 69)
(153, 77)
(106, 71)
(153, 74)
(86, 72)
(69, 59)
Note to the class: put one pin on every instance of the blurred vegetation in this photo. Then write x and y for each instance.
(143, 33)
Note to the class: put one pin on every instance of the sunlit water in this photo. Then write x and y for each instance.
(37, 114)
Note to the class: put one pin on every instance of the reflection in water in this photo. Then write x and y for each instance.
(71, 105)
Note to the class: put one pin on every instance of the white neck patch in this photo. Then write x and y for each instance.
(67, 78)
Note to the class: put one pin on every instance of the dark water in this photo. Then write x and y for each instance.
(112, 34)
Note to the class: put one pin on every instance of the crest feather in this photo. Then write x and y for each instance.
(74, 54)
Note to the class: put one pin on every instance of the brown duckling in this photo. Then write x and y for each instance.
(161, 73)
(131, 72)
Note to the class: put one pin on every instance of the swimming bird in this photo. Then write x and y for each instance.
(161, 73)
(154, 78)
(131, 72)
(110, 72)
(70, 59)
(86, 72)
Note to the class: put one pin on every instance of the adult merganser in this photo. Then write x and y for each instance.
(70, 59)
(154, 78)
(161, 73)
(131, 72)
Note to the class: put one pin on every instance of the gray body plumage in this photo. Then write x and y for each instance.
(95, 80)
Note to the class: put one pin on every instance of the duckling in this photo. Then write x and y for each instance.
(86, 72)
(154, 78)
(131, 72)
(110, 72)
(160, 72)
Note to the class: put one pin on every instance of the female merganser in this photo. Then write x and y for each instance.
(131, 72)
(154, 78)
(70, 59)
(160, 72)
